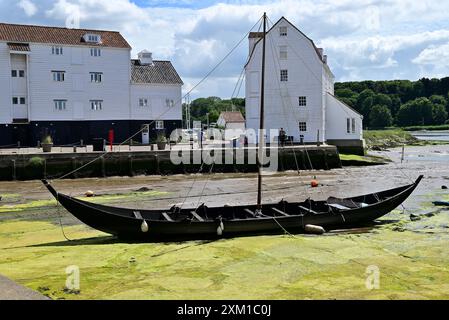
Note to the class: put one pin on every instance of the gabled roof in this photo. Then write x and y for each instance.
(345, 104)
(159, 72)
(259, 35)
(54, 35)
(232, 117)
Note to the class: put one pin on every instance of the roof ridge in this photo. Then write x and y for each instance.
(55, 27)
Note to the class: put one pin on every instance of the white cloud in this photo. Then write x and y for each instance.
(28, 6)
(366, 39)
(434, 55)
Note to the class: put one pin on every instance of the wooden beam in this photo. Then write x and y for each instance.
(280, 212)
(197, 216)
(308, 210)
(138, 215)
(250, 212)
(167, 217)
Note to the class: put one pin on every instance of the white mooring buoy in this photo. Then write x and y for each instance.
(310, 228)
(144, 227)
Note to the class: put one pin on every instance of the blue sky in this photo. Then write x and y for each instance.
(364, 39)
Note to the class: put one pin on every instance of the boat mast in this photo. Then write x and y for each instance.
(262, 123)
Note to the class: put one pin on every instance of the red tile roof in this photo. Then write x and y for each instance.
(18, 47)
(235, 116)
(55, 35)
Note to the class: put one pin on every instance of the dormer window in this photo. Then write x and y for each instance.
(93, 38)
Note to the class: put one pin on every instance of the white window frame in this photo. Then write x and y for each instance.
(22, 99)
(95, 52)
(60, 104)
(353, 125)
(302, 126)
(143, 102)
(57, 51)
(283, 31)
(96, 77)
(283, 52)
(92, 38)
(14, 73)
(159, 124)
(21, 73)
(15, 100)
(348, 125)
(302, 101)
(284, 75)
(96, 105)
(58, 76)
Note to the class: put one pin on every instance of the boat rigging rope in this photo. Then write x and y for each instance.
(60, 217)
(168, 110)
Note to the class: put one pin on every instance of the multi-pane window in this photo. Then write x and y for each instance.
(96, 77)
(143, 102)
(60, 105)
(303, 126)
(353, 125)
(96, 105)
(92, 38)
(302, 101)
(18, 100)
(170, 103)
(57, 51)
(283, 31)
(95, 52)
(18, 73)
(284, 75)
(283, 53)
(348, 125)
(159, 125)
(58, 76)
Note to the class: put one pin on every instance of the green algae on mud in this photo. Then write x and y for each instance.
(101, 199)
(412, 264)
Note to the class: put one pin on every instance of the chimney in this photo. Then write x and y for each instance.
(145, 57)
(321, 51)
(325, 58)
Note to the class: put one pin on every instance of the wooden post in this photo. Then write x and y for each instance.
(403, 153)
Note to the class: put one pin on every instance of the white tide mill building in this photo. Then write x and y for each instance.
(78, 84)
(299, 91)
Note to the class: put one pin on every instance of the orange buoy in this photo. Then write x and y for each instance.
(314, 183)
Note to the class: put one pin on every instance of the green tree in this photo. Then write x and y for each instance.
(439, 114)
(380, 117)
(416, 112)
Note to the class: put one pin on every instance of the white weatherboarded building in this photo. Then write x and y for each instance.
(299, 91)
(79, 84)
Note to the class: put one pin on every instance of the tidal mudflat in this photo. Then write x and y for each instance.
(407, 249)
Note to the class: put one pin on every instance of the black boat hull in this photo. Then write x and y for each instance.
(127, 223)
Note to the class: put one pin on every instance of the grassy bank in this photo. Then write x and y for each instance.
(410, 256)
(368, 160)
(428, 128)
(391, 138)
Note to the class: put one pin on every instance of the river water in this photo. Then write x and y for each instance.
(431, 135)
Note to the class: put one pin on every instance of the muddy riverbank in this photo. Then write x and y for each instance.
(411, 256)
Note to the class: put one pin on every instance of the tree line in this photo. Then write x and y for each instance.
(398, 102)
(212, 107)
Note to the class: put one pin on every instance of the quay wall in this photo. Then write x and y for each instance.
(55, 165)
